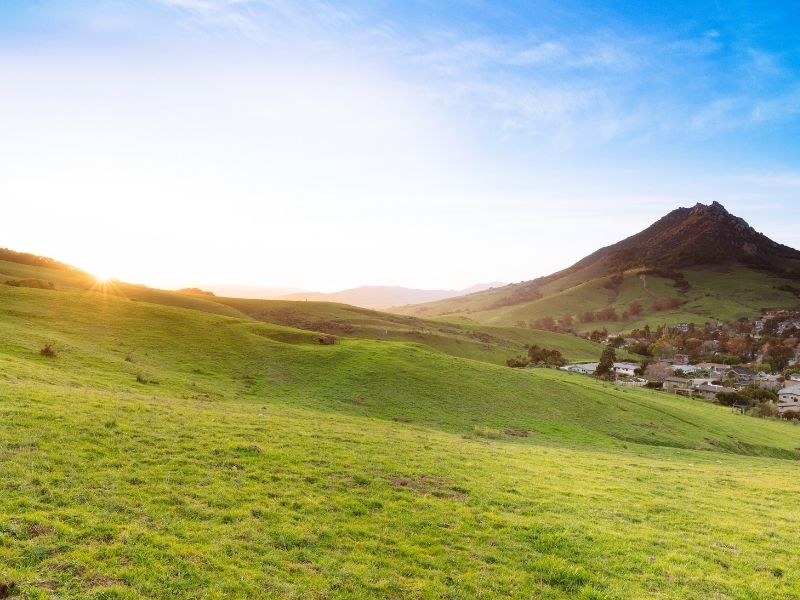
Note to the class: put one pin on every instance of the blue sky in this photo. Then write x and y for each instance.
(428, 144)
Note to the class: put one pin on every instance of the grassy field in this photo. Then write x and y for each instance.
(167, 452)
(713, 294)
(494, 344)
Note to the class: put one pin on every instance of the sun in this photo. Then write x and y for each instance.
(103, 282)
(103, 277)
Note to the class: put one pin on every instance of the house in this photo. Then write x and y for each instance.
(676, 384)
(795, 377)
(682, 327)
(789, 399)
(716, 369)
(681, 359)
(741, 376)
(583, 369)
(769, 381)
(709, 391)
(626, 368)
(686, 368)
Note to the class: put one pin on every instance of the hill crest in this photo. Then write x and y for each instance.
(692, 237)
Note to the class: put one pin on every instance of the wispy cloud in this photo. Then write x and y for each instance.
(581, 87)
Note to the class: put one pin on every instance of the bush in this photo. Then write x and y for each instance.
(550, 358)
(545, 323)
(731, 398)
(791, 415)
(31, 283)
(518, 362)
(765, 409)
(326, 340)
(49, 351)
(486, 432)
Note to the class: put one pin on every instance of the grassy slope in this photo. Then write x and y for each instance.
(262, 465)
(465, 339)
(713, 295)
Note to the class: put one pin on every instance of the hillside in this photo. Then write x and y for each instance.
(174, 452)
(695, 264)
(484, 343)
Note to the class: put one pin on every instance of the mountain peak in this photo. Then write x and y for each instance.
(713, 208)
(705, 234)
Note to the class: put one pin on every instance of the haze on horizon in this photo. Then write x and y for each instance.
(327, 145)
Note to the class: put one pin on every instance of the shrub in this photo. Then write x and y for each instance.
(486, 432)
(49, 351)
(765, 409)
(607, 314)
(545, 323)
(550, 358)
(791, 415)
(731, 398)
(326, 340)
(517, 362)
(31, 283)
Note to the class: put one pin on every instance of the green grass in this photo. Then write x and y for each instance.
(463, 338)
(258, 463)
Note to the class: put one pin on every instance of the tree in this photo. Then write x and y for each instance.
(546, 323)
(778, 355)
(617, 342)
(543, 356)
(731, 398)
(605, 368)
(607, 314)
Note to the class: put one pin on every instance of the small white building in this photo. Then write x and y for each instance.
(583, 369)
(688, 369)
(789, 399)
(626, 368)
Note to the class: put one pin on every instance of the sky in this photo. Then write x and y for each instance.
(431, 144)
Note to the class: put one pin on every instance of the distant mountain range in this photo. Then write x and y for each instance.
(231, 290)
(694, 264)
(372, 296)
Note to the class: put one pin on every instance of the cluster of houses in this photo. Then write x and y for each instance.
(702, 380)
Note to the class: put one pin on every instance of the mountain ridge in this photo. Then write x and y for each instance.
(682, 261)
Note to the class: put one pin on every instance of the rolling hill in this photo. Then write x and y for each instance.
(469, 340)
(169, 450)
(695, 264)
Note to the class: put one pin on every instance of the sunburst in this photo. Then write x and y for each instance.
(105, 284)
